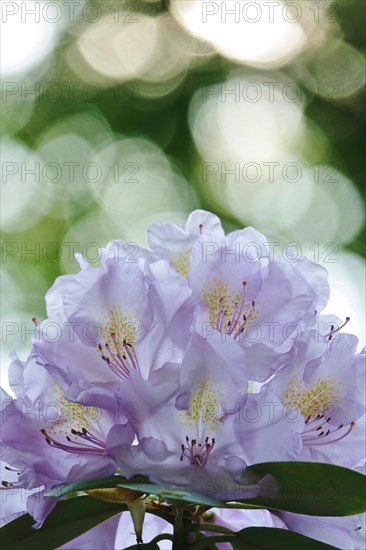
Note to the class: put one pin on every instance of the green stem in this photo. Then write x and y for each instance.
(180, 541)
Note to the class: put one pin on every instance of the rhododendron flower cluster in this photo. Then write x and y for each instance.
(183, 367)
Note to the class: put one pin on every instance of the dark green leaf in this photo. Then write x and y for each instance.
(200, 536)
(310, 488)
(68, 520)
(271, 538)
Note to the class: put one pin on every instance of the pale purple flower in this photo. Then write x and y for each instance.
(146, 365)
(173, 243)
(207, 436)
(113, 329)
(342, 532)
(256, 303)
(13, 503)
(325, 386)
(240, 519)
(241, 289)
(47, 440)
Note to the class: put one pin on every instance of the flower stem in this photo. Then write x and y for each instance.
(180, 541)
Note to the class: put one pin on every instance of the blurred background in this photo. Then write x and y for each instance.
(119, 113)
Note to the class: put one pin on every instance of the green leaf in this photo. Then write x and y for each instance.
(68, 520)
(303, 487)
(173, 494)
(96, 483)
(310, 488)
(263, 538)
(198, 537)
(272, 538)
(136, 483)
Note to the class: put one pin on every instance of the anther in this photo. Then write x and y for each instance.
(334, 330)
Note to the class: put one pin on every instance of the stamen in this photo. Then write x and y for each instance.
(309, 440)
(246, 319)
(97, 446)
(122, 360)
(131, 354)
(226, 306)
(334, 330)
(219, 316)
(221, 303)
(10, 485)
(201, 228)
(236, 318)
(197, 454)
